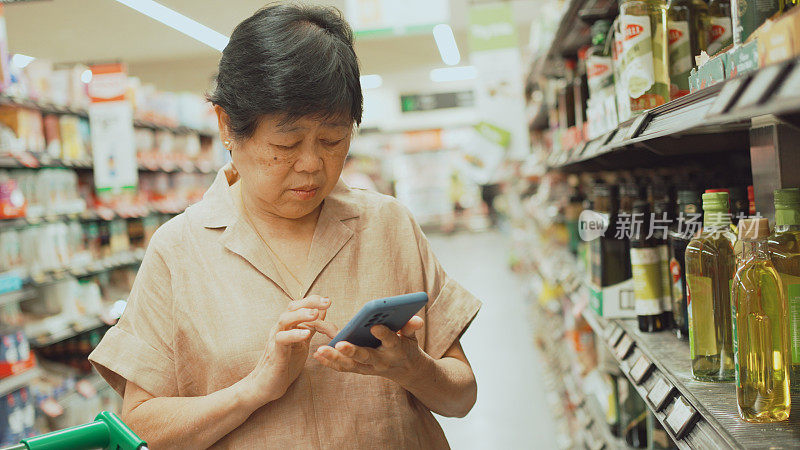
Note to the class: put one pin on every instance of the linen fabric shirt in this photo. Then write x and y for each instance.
(208, 292)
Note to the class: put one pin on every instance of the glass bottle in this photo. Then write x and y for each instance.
(632, 414)
(644, 25)
(748, 15)
(599, 67)
(710, 265)
(681, 233)
(760, 334)
(720, 34)
(687, 37)
(784, 247)
(610, 255)
(646, 271)
(620, 82)
(663, 212)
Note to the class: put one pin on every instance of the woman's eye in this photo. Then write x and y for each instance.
(333, 143)
(287, 146)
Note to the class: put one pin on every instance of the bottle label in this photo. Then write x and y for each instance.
(666, 279)
(680, 56)
(646, 271)
(719, 34)
(791, 284)
(637, 46)
(600, 73)
(702, 332)
(677, 286)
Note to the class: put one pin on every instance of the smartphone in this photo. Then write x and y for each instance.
(394, 312)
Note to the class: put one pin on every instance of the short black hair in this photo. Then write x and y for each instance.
(295, 60)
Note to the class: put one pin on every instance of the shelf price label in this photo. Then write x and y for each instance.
(761, 86)
(641, 369)
(624, 348)
(111, 125)
(681, 418)
(660, 393)
(615, 336)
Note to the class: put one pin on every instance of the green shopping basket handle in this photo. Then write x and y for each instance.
(107, 431)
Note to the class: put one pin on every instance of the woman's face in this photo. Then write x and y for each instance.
(288, 169)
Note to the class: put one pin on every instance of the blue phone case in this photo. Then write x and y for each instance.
(394, 312)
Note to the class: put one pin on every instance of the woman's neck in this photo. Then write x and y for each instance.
(277, 225)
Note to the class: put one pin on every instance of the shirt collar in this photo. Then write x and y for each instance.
(217, 209)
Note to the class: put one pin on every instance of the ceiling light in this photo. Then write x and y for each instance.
(446, 41)
(21, 61)
(178, 21)
(462, 73)
(371, 81)
(86, 76)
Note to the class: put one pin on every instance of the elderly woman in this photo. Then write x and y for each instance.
(224, 339)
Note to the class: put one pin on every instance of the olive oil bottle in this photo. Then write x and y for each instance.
(720, 34)
(784, 247)
(710, 265)
(646, 58)
(760, 334)
(687, 37)
(620, 82)
(646, 271)
(679, 237)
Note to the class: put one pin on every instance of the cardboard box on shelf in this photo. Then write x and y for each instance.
(742, 59)
(613, 302)
(776, 38)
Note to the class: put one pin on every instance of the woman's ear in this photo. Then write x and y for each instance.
(223, 122)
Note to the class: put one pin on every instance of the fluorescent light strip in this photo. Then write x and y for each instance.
(21, 61)
(446, 41)
(461, 73)
(179, 22)
(371, 81)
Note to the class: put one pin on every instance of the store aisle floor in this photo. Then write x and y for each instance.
(511, 411)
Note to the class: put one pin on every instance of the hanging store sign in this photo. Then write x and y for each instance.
(499, 89)
(427, 102)
(111, 124)
(373, 18)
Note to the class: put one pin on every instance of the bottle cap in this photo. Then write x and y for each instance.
(600, 31)
(726, 190)
(787, 198)
(715, 201)
(752, 229)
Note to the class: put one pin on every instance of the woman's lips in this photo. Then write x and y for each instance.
(304, 193)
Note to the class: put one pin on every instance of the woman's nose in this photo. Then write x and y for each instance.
(309, 160)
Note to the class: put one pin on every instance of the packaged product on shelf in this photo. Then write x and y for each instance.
(687, 38)
(778, 38)
(646, 272)
(760, 330)
(19, 416)
(601, 108)
(688, 224)
(632, 414)
(710, 265)
(581, 87)
(720, 30)
(5, 60)
(52, 135)
(15, 353)
(645, 51)
(12, 200)
(73, 142)
(611, 284)
(747, 16)
(27, 126)
(620, 80)
(784, 247)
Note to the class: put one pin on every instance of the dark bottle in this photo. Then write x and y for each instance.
(687, 37)
(689, 222)
(663, 216)
(646, 270)
(632, 414)
(610, 257)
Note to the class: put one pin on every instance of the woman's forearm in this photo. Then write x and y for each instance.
(446, 386)
(188, 422)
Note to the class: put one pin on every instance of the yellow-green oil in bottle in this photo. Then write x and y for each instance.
(760, 334)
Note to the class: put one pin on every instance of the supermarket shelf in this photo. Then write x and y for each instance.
(17, 296)
(50, 108)
(715, 119)
(14, 382)
(716, 423)
(123, 259)
(30, 160)
(570, 36)
(83, 325)
(106, 215)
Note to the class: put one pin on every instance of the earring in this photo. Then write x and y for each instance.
(227, 144)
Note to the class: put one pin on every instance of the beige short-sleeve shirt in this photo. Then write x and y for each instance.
(208, 292)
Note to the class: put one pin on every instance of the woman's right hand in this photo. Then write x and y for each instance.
(287, 349)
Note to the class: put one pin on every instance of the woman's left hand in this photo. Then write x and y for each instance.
(398, 358)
